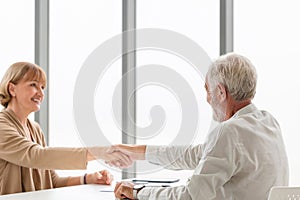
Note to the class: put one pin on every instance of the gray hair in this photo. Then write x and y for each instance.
(236, 73)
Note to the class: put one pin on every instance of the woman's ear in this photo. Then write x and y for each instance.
(222, 93)
(11, 89)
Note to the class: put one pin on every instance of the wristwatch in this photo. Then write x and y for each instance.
(136, 189)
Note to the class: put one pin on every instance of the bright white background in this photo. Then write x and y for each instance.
(265, 31)
(16, 33)
(188, 18)
(76, 29)
(268, 33)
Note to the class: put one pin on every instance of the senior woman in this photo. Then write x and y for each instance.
(26, 163)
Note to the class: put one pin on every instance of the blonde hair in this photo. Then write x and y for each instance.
(17, 72)
(236, 73)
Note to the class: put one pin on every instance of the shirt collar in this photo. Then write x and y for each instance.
(247, 109)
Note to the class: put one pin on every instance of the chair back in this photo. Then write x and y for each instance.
(284, 193)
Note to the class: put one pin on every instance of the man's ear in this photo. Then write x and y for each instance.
(11, 89)
(222, 93)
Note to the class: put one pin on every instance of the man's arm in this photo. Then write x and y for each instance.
(125, 190)
(216, 167)
(173, 157)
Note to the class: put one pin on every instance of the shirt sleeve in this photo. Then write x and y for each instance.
(174, 157)
(20, 151)
(218, 164)
(161, 193)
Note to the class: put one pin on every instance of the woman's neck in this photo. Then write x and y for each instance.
(22, 117)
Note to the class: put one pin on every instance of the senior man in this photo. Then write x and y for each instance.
(241, 158)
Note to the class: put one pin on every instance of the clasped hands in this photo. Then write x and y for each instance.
(121, 156)
(124, 190)
(125, 154)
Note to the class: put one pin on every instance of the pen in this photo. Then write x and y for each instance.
(106, 190)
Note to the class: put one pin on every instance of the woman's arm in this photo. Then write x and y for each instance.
(19, 150)
(103, 177)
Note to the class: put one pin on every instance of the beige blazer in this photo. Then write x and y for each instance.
(28, 165)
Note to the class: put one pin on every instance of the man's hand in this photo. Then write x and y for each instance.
(124, 190)
(135, 152)
(119, 158)
(103, 177)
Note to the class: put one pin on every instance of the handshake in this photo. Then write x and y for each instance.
(121, 156)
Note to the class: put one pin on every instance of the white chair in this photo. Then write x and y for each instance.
(284, 193)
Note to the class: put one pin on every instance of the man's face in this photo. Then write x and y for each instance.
(215, 103)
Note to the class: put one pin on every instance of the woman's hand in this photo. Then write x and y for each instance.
(103, 177)
(135, 152)
(121, 159)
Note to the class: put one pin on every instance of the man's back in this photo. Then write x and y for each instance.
(255, 154)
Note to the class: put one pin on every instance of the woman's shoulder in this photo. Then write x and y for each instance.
(5, 117)
(3, 112)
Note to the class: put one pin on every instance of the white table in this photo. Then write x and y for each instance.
(80, 192)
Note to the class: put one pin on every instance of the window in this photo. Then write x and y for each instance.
(77, 28)
(17, 33)
(188, 18)
(271, 41)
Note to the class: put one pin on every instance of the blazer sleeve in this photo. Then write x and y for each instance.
(20, 151)
(57, 180)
